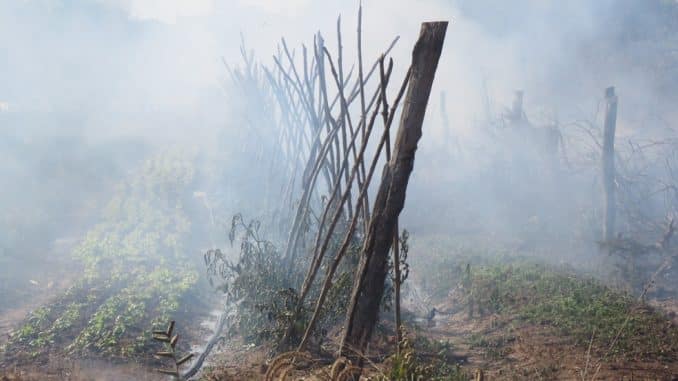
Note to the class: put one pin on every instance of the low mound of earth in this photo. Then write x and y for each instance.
(531, 321)
(515, 321)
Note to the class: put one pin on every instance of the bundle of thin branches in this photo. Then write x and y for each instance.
(323, 118)
(339, 152)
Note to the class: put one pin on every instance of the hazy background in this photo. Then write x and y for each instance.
(88, 88)
(126, 148)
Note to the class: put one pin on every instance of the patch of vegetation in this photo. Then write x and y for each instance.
(256, 281)
(136, 270)
(266, 292)
(424, 359)
(445, 262)
(581, 308)
(494, 348)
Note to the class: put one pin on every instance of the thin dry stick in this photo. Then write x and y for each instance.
(300, 96)
(396, 286)
(286, 99)
(318, 255)
(334, 188)
(319, 251)
(363, 113)
(342, 115)
(347, 238)
(396, 241)
(384, 101)
(306, 97)
(303, 209)
(346, 117)
(312, 121)
(295, 134)
(345, 243)
(588, 356)
(355, 91)
(311, 274)
(321, 45)
(308, 105)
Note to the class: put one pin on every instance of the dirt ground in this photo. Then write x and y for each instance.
(81, 370)
(535, 353)
(510, 350)
(511, 353)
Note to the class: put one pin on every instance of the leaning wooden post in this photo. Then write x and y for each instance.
(608, 164)
(368, 288)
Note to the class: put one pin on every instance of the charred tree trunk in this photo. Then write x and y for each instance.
(369, 285)
(608, 164)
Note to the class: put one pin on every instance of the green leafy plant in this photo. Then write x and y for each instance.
(256, 282)
(135, 269)
(410, 365)
(575, 306)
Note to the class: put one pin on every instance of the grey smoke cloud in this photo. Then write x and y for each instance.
(135, 65)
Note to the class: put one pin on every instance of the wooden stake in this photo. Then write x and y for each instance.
(369, 286)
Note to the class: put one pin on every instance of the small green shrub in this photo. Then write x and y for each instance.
(578, 307)
(257, 282)
(409, 365)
